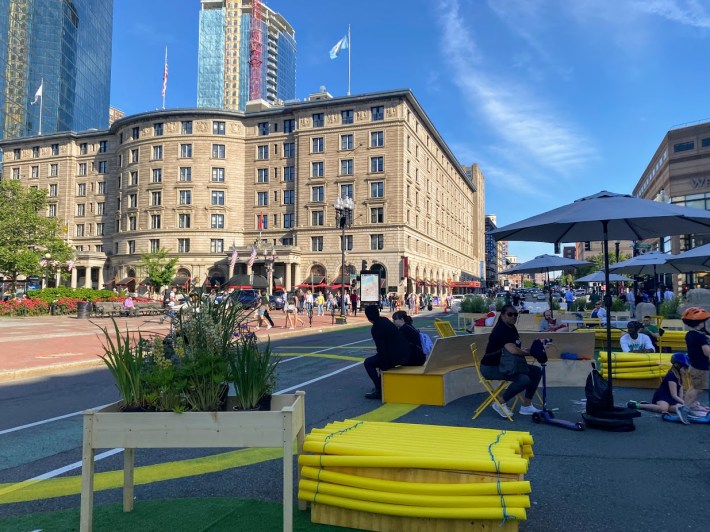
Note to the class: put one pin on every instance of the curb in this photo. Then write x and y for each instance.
(29, 373)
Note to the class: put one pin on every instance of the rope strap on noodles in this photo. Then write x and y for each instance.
(506, 516)
(325, 443)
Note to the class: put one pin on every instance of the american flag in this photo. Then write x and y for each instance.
(165, 73)
(252, 257)
(233, 260)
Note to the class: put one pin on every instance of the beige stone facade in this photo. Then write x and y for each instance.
(196, 182)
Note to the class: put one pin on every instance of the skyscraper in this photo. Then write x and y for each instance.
(63, 47)
(223, 57)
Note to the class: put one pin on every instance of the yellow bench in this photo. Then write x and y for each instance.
(674, 340)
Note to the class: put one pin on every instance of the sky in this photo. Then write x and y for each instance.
(553, 99)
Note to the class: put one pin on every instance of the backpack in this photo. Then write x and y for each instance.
(427, 344)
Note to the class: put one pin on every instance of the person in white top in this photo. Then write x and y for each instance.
(631, 300)
(668, 295)
(634, 341)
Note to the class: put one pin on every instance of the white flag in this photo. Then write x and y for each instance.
(342, 44)
(38, 94)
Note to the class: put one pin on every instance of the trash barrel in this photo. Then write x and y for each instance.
(53, 309)
(82, 309)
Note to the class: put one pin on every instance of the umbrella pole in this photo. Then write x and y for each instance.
(607, 304)
(549, 292)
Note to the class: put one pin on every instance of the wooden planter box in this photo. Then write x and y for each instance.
(110, 428)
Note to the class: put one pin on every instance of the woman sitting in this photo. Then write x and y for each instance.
(416, 353)
(669, 395)
(549, 324)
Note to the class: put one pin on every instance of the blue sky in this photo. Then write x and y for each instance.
(554, 99)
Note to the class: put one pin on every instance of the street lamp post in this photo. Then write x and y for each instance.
(269, 251)
(344, 218)
(47, 258)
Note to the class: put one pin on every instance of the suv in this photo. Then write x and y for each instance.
(248, 298)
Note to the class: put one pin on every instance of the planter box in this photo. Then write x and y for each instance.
(110, 428)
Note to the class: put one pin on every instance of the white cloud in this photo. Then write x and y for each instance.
(688, 13)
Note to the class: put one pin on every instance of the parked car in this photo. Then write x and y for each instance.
(276, 302)
(247, 297)
(580, 292)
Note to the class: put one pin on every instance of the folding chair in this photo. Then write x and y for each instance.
(493, 393)
(444, 328)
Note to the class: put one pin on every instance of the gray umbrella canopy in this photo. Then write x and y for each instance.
(696, 259)
(545, 263)
(602, 216)
(649, 263)
(598, 277)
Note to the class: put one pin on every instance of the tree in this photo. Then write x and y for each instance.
(159, 268)
(26, 234)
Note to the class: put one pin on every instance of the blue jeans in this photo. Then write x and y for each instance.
(519, 382)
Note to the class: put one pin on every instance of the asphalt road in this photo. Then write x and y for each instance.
(655, 478)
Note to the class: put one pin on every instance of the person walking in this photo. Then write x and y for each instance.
(353, 302)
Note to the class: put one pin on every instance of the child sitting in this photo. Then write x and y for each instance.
(669, 395)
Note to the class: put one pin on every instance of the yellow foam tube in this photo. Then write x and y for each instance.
(441, 501)
(647, 375)
(375, 440)
(509, 465)
(645, 369)
(629, 357)
(490, 514)
(366, 447)
(640, 364)
(431, 488)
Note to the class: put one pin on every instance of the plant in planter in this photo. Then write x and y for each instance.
(124, 358)
(252, 370)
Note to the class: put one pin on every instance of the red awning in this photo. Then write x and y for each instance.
(465, 284)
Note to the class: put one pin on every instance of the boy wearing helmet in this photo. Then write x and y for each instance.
(669, 395)
(696, 341)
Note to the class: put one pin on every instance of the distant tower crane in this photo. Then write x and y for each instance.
(255, 50)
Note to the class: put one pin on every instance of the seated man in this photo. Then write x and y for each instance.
(635, 342)
(650, 330)
(391, 345)
(549, 324)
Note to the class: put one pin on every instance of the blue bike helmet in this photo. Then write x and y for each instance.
(680, 359)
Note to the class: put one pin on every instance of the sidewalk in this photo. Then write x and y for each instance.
(35, 346)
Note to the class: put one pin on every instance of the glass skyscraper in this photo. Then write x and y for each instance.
(223, 55)
(65, 46)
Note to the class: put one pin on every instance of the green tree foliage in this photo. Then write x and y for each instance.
(26, 234)
(159, 268)
(598, 264)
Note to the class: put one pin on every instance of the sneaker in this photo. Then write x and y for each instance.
(502, 409)
(633, 404)
(682, 413)
(268, 327)
(696, 413)
(528, 410)
(374, 394)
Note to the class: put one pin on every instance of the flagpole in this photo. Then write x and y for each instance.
(350, 45)
(165, 79)
(41, 104)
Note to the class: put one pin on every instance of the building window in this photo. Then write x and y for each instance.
(80, 210)
(52, 210)
(216, 245)
(346, 191)
(183, 245)
(346, 117)
(217, 221)
(82, 169)
(103, 167)
(218, 175)
(684, 146)
(55, 150)
(289, 125)
(133, 179)
(79, 229)
(263, 128)
(318, 194)
(103, 146)
(99, 229)
(186, 127)
(288, 197)
(289, 150)
(318, 119)
(264, 221)
(132, 201)
(377, 215)
(157, 175)
(348, 242)
(35, 152)
(101, 187)
(185, 151)
(16, 173)
(100, 208)
(378, 113)
(262, 175)
(287, 241)
(262, 199)
(35, 172)
(377, 139)
(157, 153)
(218, 197)
(377, 189)
(17, 153)
(53, 170)
(81, 189)
(155, 221)
(316, 243)
(134, 156)
(377, 242)
(218, 127)
(154, 245)
(705, 143)
(218, 151)
(135, 134)
(185, 197)
(184, 221)
(158, 129)
(377, 164)
(346, 142)
(317, 169)
(262, 152)
(288, 220)
(185, 173)
(317, 145)
(346, 167)
(289, 173)
(317, 218)
(52, 191)
(131, 247)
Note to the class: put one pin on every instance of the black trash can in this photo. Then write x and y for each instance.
(82, 309)
(53, 308)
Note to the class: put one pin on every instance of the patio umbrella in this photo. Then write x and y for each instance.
(602, 216)
(649, 263)
(696, 259)
(598, 277)
(545, 264)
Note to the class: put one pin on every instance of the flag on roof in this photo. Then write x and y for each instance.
(342, 44)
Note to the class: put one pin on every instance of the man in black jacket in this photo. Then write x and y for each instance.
(392, 349)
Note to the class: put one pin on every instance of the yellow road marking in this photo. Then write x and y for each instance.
(61, 487)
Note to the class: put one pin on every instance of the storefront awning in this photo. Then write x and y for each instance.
(126, 281)
(465, 284)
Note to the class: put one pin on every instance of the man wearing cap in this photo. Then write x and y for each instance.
(635, 342)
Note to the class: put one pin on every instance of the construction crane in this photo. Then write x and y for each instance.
(255, 51)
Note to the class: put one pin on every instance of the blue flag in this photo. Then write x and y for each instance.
(342, 44)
